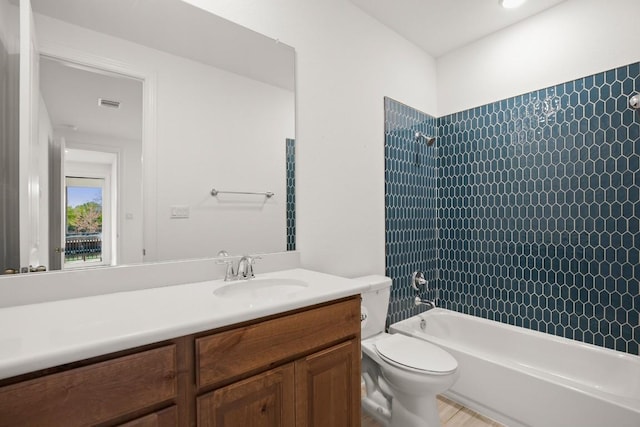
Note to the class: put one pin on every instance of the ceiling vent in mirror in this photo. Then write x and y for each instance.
(108, 103)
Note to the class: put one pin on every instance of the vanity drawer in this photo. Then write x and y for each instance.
(164, 418)
(94, 393)
(230, 354)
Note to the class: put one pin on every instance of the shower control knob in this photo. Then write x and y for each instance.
(634, 101)
(417, 279)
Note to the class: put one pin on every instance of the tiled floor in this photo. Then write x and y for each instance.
(452, 414)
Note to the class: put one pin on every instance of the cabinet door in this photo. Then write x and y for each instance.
(328, 387)
(264, 400)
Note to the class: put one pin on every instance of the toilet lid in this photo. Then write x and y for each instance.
(415, 354)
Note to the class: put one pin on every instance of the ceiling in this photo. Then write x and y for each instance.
(71, 95)
(440, 26)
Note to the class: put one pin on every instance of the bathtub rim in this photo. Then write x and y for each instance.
(412, 329)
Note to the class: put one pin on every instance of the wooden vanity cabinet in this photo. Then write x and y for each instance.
(300, 368)
(325, 392)
(93, 394)
(317, 382)
(314, 391)
(163, 418)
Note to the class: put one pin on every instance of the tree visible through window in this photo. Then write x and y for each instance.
(83, 220)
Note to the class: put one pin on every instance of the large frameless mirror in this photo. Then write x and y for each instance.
(131, 113)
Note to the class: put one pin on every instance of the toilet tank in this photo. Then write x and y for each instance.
(374, 305)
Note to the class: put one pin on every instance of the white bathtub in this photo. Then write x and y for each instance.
(526, 378)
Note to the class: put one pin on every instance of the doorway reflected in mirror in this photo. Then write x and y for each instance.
(96, 190)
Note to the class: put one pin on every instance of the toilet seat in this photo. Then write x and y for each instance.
(415, 355)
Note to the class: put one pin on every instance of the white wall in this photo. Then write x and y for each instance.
(219, 130)
(572, 40)
(346, 63)
(214, 129)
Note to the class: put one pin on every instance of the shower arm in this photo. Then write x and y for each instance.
(428, 139)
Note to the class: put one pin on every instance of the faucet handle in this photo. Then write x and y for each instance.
(224, 258)
(229, 274)
(417, 279)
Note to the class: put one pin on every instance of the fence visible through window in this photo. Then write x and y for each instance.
(83, 221)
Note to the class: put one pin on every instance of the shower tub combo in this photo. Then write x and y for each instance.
(523, 378)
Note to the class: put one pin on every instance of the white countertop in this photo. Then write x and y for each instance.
(44, 335)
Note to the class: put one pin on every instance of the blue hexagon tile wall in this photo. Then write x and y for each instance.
(290, 162)
(411, 205)
(538, 210)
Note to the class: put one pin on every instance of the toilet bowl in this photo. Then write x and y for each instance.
(402, 375)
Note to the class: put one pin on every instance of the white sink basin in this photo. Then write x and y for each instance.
(262, 290)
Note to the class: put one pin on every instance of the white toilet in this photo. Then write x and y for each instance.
(402, 375)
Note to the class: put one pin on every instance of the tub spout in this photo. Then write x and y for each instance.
(420, 301)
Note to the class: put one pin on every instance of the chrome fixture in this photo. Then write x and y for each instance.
(244, 270)
(421, 301)
(417, 279)
(229, 273)
(245, 267)
(634, 101)
(428, 139)
(267, 194)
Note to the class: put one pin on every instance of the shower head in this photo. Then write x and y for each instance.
(428, 139)
(634, 101)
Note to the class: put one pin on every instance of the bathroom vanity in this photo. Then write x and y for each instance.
(293, 366)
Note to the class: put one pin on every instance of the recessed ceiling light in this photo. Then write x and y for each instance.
(511, 4)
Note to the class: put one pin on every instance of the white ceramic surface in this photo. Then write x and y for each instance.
(526, 378)
(43, 335)
(262, 291)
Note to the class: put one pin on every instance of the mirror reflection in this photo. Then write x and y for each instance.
(94, 118)
(132, 125)
(9, 125)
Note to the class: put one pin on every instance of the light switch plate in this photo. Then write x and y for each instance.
(179, 212)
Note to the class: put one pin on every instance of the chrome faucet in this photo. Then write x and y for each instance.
(420, 301)
(245, 267)
(417, 279)
(244, 270)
